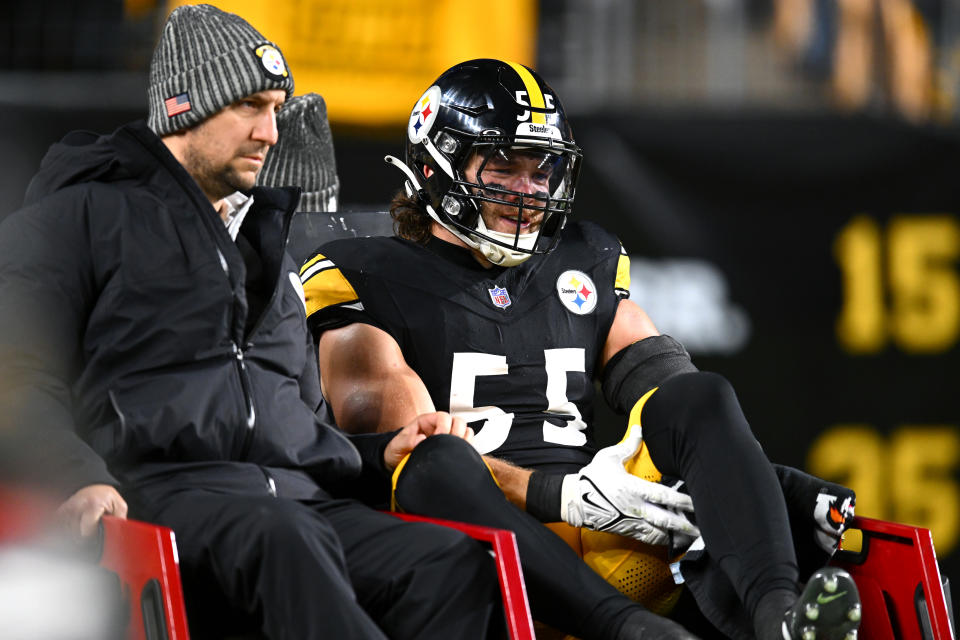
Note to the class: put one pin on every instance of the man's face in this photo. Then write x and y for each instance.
(225, 152)
(523, 171)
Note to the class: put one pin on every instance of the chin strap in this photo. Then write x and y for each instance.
(509, 257)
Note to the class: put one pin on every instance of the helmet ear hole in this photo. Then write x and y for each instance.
(451, 206)
(447, 143)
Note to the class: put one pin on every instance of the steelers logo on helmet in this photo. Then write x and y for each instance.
(272, 61)
(577, 292)
(536, 130)
(423, 115)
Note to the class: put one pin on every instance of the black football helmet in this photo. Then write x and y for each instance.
(486, 108)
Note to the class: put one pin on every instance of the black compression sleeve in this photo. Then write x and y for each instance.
(643, 365)
(543, 496)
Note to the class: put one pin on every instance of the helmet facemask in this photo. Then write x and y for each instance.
(477, 114)
(542, 173)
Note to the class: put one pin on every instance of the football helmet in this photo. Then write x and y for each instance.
(484, 111)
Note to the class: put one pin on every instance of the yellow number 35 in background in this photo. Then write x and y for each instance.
(906, 477)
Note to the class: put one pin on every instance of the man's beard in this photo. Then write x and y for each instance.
(219, 181)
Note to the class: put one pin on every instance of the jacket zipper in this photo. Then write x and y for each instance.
(271, 484)
(238, 352)
(248, 398)
(244, 380)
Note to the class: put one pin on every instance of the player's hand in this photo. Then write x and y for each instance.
(427, 424)
(605, 497)
(82, 511)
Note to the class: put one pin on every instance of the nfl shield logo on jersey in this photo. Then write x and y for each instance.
(500, 297)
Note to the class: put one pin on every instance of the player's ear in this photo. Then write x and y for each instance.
(427, 171)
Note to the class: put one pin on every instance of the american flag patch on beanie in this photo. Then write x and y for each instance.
(177, 104)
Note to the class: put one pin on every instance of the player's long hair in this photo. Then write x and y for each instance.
(410, 218)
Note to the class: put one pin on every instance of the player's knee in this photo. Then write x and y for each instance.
(703, 403)
(709, 390)
(444, 457)
(441, 468)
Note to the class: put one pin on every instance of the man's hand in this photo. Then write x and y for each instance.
(604, 497)
(428, 424)
(83, 510)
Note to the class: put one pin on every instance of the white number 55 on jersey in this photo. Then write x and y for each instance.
(496, 428)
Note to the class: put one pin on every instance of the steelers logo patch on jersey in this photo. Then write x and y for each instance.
(423, 115)
(577, 292)
(272, 61)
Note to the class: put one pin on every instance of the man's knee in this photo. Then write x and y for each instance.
(449, 587)
(475, 560)
(286, 522)
(247, 556)
(274, 532)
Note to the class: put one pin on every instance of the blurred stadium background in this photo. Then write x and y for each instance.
(782, 172)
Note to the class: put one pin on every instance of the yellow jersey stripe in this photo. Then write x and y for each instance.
(312, 261)
(393, 483)
(622, 280)
(327, 288)
(533, 92)
(640, 464)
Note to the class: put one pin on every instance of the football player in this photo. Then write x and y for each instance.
(491, 304)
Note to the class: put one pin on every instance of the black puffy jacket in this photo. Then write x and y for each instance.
(123, 352)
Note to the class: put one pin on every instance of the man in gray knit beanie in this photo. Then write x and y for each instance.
(205, 60)
(153, 334)
(216, 85)
(303, 156)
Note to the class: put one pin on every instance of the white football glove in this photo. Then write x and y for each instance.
(605, 497)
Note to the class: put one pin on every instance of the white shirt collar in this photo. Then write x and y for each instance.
(237, 205)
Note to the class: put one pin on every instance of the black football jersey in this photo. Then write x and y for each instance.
(512, 350)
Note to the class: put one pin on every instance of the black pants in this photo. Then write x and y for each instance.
(324, 569)
(696, 431)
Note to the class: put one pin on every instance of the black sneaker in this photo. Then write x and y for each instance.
(827, 609)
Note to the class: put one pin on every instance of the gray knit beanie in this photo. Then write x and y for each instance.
(303, 155)
(207, 59)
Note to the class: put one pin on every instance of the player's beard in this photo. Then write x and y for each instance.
(497, 217)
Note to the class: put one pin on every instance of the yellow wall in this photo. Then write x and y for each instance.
(371, 59)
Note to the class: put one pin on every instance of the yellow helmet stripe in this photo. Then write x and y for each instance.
(533, 92)
(623, 273)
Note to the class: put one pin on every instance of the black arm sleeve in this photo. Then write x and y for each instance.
(372, 486)
(643, 365)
